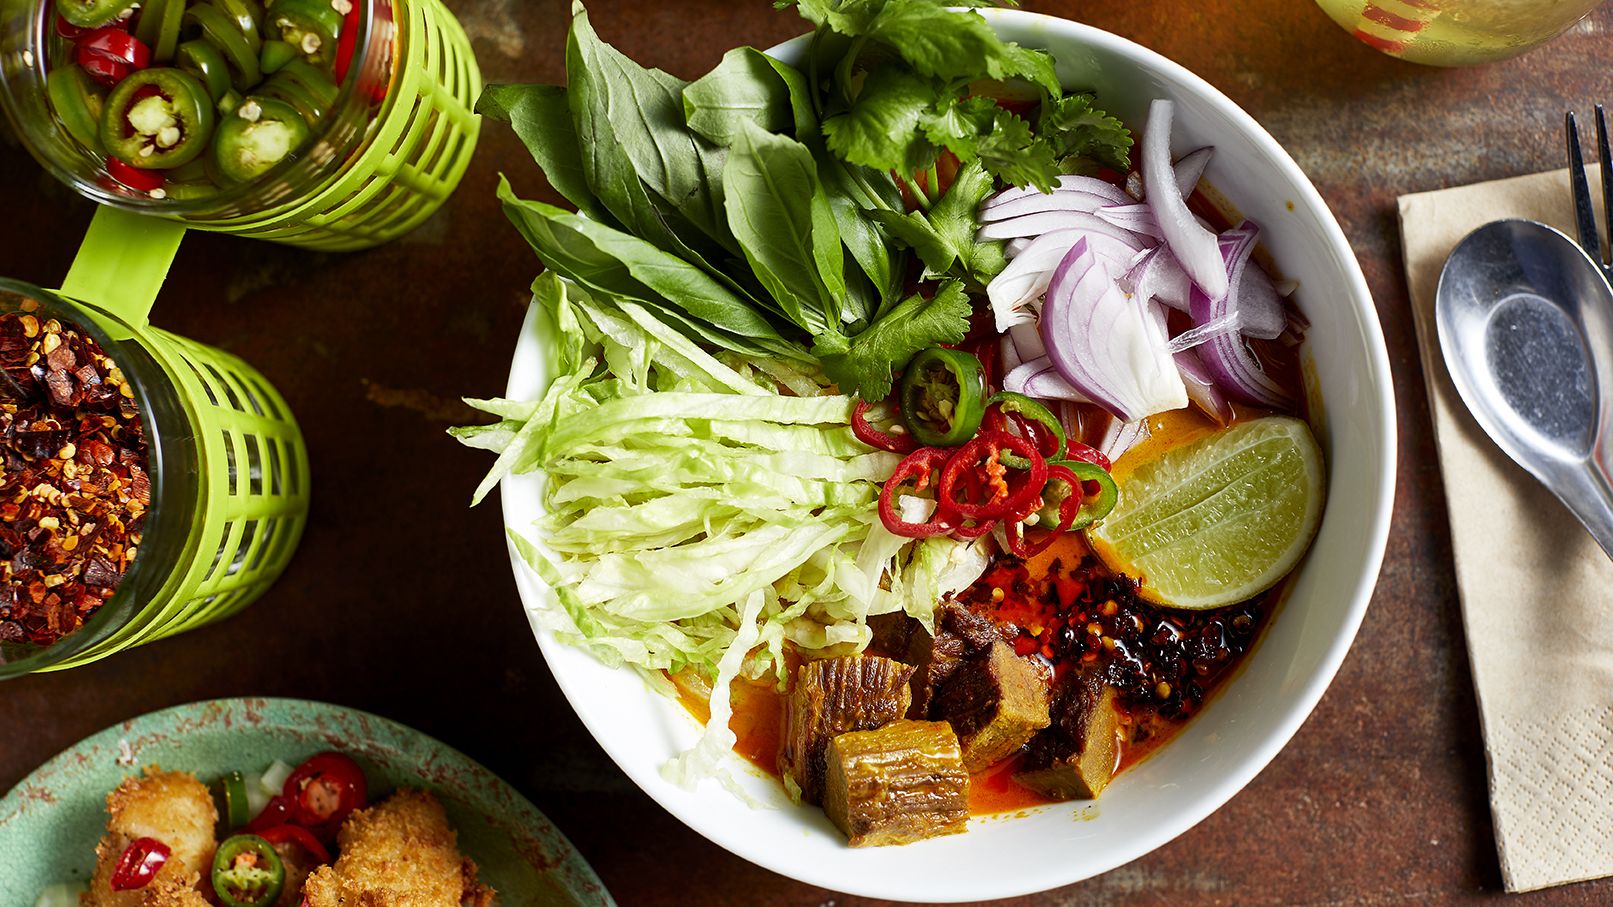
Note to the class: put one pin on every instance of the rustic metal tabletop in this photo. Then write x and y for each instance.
(401, 601)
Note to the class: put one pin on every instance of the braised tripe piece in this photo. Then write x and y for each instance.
(172, 807)
(400, 853)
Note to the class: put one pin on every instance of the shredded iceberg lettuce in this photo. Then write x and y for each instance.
(697, 517)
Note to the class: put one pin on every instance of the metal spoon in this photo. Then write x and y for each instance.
(1525, 321)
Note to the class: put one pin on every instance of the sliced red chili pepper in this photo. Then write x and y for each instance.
(324, 790)
(103, 69)
(68, 30)
(998, 497)
(133, 177)
(140, 863)
(960, 526)
(115, 44)
(1020, 540)
(923, 467)
(277, 812)
(1075, 450)
(296, 834)
(870, 434)
(346, 43)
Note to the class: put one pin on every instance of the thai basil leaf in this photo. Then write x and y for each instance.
(542, 121)
(749, 85)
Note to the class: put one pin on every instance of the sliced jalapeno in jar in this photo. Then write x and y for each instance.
(204, 61)
(943, 397)
(247, 872)
(92, 13)
(218, 31)
(275, 54)
(78, 104)
(259, 134)
(159, 25)
(245, 15)
(305, 87)
(311, 26)
(157, 119)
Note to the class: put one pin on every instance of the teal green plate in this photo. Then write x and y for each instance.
(50, 822)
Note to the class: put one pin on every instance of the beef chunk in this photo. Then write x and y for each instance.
(891, 634)
(959, 634)
(1076, 756)
(832, 696)
(902, 783)
(996, 701)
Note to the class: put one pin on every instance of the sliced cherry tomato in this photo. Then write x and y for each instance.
(296, 834)
(133, 177)
(872, 435)
(117, 45)
(140, 863)
(324, 790)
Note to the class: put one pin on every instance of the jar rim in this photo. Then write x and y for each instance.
(346, 126)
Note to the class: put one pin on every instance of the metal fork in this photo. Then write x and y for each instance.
(1584, 214)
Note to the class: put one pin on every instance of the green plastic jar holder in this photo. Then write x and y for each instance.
(228, 466)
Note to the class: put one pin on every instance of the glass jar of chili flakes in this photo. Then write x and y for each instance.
(151, 484)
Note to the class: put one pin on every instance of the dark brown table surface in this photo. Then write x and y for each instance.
(401, 602)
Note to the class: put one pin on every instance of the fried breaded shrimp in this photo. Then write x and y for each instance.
(172, 807)
(401, 853)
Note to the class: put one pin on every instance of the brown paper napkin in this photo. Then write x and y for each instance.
(1537, 592)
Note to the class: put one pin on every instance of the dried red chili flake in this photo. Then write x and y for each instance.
(75, 491)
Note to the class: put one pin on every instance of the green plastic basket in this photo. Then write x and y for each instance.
(421, 145)
(229, 467)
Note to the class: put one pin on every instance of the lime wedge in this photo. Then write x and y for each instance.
(1219, 520)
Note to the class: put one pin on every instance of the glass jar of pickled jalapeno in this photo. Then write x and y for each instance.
(330, 124)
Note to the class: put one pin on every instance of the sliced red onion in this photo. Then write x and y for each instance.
(1137, 219)
(1201, 387)
(1088, 184)
(1190, 169)
(1013, 247)
(1159, 277)
(1259, 307)
(1027, 342)
(1107, 347)
(1038, 378)
(1193, 245)
(1226, 357)
(1048, 221)
(1009, 353)
(1121, 437)
(1027, 275)
(1063, 200)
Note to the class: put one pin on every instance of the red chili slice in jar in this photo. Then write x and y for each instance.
(870, 434)
(923, 468)
(324, 790)
(140, 863)
(998, 496)
(133, 177)
(116, 45)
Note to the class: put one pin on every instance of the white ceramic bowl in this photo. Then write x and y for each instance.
(1253, 716)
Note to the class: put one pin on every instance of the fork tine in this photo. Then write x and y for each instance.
(1607, 176)
(1584, 214)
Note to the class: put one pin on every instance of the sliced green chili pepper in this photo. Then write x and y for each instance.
(1095, 502)
(247, 872)
(204, 61)
(305, 87)
(218, 31)
(190, 191)
(274, 55)
(1030, 417)
(159, 25)
(943, 397)
(157, 119)
(261, 133)
(77, 104)
(227, 104)
(237, 811)
(92, 13)
(311, 26)
(245, 16)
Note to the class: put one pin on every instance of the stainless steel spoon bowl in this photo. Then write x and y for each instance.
(1525, 322)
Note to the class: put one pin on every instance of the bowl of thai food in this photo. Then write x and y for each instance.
(947, 441)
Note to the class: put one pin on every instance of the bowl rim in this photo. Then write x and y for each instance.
(1297, 706)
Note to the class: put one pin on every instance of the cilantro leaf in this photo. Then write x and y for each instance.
(866, 363)
(1076, 129)
(944, 238)
(881, 130)
(1012, 153)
